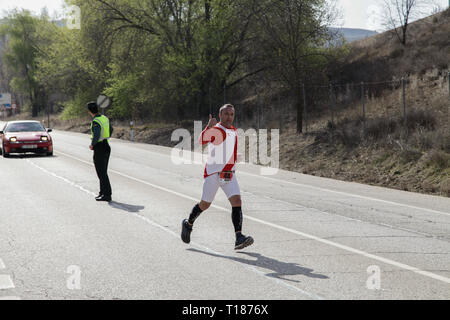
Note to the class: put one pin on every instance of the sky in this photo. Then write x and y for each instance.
(365, 14)
(32, 5)
(361, 14)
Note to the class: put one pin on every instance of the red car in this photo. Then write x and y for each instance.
(25, 136)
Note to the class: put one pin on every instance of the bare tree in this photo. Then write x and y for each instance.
(398, 14)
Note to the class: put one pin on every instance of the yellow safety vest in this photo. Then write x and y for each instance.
(104, 125)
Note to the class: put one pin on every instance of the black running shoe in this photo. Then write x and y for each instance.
(186, 230)
(242, 242)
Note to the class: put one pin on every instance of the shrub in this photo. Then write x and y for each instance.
(439, 159)
(380, 127)
(76, 107)
(436, 139)
(408, 156)
(123, 92)
(445, 187)
(423, 139)
(397, 53)
(420, 118)
(349, 137)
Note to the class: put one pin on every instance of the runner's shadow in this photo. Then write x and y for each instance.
(125, 207)
(279, 268)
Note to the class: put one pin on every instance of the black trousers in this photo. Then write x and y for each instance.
(102, 151)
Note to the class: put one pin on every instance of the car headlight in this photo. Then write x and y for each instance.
(13, 139)
(43, 138)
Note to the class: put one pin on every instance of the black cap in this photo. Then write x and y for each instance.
(92, 106)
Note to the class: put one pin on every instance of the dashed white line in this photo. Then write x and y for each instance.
(348, 194)
(6, 283)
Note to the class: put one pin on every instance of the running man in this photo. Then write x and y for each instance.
(220, 172)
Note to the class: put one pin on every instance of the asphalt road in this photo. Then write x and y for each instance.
(315, 238)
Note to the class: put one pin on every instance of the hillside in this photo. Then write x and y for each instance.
(383, 57)
(418, 161)
(352, 34)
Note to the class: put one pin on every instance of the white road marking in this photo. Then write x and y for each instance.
(6, 282)
(312, 187)
(347, 194)
(312, 237)
(349, 218)
(73, 184)
(194, 244)
(151, 222)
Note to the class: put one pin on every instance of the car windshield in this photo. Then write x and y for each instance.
(24, 127)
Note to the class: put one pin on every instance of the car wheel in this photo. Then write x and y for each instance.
(50, 154)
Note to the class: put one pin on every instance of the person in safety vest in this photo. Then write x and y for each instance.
(101, 130)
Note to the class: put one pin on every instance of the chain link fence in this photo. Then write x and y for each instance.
(367, 106)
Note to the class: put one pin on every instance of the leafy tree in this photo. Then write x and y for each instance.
(169, 58)
(200, 43)
(21, 52)
(295, 41)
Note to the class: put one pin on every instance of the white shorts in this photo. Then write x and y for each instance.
(212, 184)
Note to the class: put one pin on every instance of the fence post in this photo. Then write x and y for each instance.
(237, 119)
(404, 103)
(48, 115)
(280, 113)
(131, 130)
(448, 78)
(305, 114)
(236, 110)
(363, 98)
(332, 105)
(258, 109)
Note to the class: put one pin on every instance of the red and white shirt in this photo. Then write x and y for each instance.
(222, 147)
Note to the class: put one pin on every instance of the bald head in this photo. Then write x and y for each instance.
(225, 106)
(226, 115)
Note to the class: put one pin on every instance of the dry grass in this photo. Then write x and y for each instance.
(426, 48)
(414, 160)
(445, 187)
